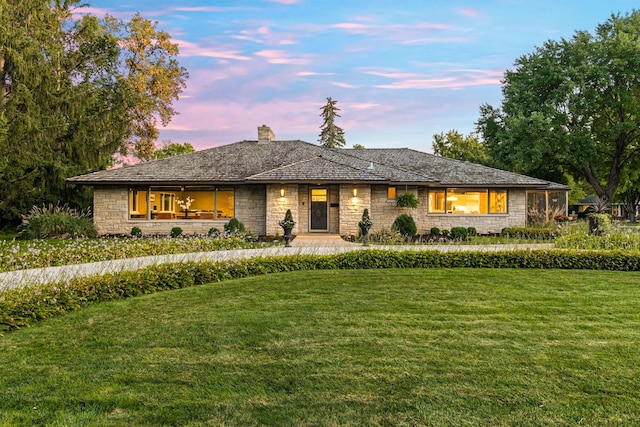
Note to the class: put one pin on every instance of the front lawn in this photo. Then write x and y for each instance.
(365, 347)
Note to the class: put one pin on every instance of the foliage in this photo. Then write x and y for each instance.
(213, 231)
(599, 224)
(24, 306)
(610, 241)
(56, 221)
(344, 348)
(572, 106)
(472, 232)
(405, 225)
(365, 221)
(531, 233)
(136, 232)
(455, 145)
(631, 201)
(386, 236)
(407, 200)
(170, 149)
(176, 232)
(459, 233)
(435, 231)
(358, 147)
(288, 221)
(21, 255)
(74, 92)
(331, 135)
(234, 226)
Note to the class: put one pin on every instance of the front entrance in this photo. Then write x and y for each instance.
(319, 210)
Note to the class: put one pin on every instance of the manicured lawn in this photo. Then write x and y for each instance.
(378, 347)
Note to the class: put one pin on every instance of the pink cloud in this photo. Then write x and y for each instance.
(281, 57)
(458, 81)
(472, 13)
(193, 49)
(344, 85)
(312, 73)
(285, 1)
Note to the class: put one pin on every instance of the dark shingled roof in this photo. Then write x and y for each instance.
(299, 161)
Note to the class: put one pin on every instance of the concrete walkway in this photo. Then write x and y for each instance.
(305, 244)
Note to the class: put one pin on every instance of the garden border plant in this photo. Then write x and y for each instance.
(25, 306)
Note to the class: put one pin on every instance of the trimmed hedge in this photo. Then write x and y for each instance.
(531, 233)
(26, 306)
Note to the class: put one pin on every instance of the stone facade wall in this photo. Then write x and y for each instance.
(351, 208)
(276, 207)
(260, 208)
(383, 213)
(111, 213)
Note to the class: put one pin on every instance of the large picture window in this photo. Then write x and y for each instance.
(179, 203)
(475, 201)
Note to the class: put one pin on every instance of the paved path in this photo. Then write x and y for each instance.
(311, 245)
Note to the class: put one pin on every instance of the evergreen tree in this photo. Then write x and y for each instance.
(73, 93)
(331, 135)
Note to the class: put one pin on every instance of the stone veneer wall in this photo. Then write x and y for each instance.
(111, 213)
(260, 209)
(351, 208)
(383, 213)
(276, 207)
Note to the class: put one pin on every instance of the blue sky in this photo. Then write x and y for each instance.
(401, 71)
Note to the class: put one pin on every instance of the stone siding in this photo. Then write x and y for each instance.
(111, 213)
(260, 208)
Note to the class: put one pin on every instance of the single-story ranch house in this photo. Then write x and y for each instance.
(326, 190)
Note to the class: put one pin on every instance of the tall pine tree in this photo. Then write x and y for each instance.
(331, 135)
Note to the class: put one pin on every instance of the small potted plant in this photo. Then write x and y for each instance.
(287, 224)
(365, 224)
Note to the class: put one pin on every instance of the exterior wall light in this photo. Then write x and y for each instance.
(355, 192)
(281, 191)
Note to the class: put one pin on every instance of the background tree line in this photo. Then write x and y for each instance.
(570, 113)
(75, 92)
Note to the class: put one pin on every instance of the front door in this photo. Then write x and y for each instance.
(319, 209)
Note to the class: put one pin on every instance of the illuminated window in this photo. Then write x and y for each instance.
(436, 201)
(204, 203)
(498, 201)
(391, 192)
(467, 201)
(137, 203)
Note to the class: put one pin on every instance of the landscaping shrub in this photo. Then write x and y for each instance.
(407, 200)
(56, 221)
(405, 225)
(136, 232)
(435, 231)
(234, 225)
(531, 233)
(459, 233)
(472, 232)
(26, 306)
(213, 232)
(386, 237)
(176, 232)
(599, 224)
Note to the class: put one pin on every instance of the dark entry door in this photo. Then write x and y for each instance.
(319, 209)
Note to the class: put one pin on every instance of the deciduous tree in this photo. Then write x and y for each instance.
(455, 145)
(73, 93)
(572, 106)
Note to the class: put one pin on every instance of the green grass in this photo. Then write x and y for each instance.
(369, 347)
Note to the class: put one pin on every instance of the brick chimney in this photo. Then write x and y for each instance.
(265, 134)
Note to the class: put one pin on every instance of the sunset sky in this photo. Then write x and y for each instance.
(401, 71)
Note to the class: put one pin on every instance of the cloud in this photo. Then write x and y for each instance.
(313, 73)
(192, 49)
(472, 13)
(344, 85)
(281, 57)
(456, 79)
(285, 1)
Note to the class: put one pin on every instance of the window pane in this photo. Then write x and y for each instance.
(391, 192)
(225, 203)
(137, 203)
(436, 201)
(498, 201)
(467, 201)
(189, 203)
